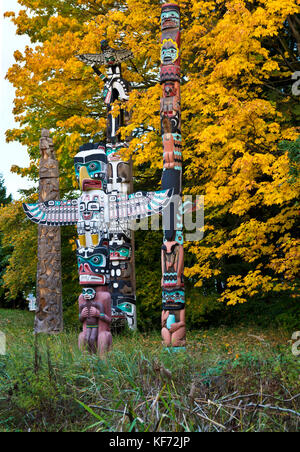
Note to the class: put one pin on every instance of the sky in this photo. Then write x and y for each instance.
(10, 153)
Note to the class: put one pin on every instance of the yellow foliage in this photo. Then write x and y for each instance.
(232, 120)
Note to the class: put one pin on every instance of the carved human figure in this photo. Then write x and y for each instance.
(48, 318)
(170, 101)
(95, 314)
(173, 328)
(172, 256)
(89, 312)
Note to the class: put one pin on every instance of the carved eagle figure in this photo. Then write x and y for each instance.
(108, 57)
(112, 208)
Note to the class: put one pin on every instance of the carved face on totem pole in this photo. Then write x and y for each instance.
(93, 265)
(170, 108)
(88, 293)
(170, 17)
(89, 207)
(118, 177)
(173, 300)
(119, 252)
(91, 167)
(170, 54)
(169, 51)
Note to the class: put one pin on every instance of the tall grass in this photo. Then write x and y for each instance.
(227, 380)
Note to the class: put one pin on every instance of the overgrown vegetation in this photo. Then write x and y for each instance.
(228, 380)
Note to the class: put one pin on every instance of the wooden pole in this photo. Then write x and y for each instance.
(49, 315)
(173, 315)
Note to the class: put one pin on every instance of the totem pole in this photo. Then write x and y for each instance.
(121, 243)
(173, 293)
(92, 249)
(98, 216)
(48, 318)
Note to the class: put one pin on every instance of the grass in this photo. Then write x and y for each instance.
(241, 379)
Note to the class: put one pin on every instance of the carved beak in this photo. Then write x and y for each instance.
(83, 175)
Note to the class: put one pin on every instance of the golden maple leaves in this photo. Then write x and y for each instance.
(231, 129)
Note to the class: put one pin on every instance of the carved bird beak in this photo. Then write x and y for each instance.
(83, 175)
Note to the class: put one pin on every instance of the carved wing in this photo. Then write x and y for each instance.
(123, 55)
(91, 59)
(138, 205)
(53, 213)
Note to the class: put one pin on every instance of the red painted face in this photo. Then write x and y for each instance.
(93, 266)
(170, 89)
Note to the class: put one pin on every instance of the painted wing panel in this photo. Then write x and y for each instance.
(92, 58)
(139, 205)
(53, 213)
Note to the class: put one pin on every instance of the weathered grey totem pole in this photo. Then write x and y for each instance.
(48, 318)
(173, 315)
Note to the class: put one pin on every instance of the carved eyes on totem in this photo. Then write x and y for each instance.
(89, 294)
(91, 206)
(95, 169)
(175, 297)
(122, 252)
(110, 59)
(95, 261)
(169, 55)
(170, 16)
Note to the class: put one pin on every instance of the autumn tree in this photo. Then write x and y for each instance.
(4, 251)
(238, 58)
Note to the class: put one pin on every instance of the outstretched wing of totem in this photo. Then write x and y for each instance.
(53, 213)
(123, 55)
(91, 59)
(138, 205)
(110, 57)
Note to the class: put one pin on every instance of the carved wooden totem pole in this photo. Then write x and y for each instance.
(99, 217)
(49, 318)
(121, 242)
(173, 315)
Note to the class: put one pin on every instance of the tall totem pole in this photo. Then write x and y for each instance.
(120, 180)
(103, 215)
(104, 211)
(173, 295)
(48, 317)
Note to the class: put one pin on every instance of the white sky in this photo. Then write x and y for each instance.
(10, 153)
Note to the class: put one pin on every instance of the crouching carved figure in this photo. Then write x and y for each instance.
(173, 328)
(95, 315)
